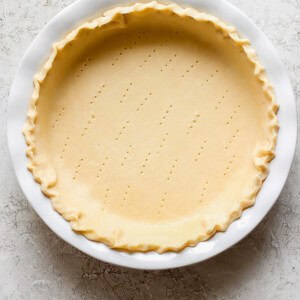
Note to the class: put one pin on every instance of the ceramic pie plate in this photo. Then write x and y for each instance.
(21, 91)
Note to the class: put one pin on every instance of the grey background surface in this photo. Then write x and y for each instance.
(35, 264)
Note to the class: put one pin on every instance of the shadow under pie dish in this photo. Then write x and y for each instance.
(151, 127)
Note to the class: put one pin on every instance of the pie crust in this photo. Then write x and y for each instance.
(151, 127)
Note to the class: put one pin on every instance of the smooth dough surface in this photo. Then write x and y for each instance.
(151, 127)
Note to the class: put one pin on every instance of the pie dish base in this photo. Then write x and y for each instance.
(22, 88)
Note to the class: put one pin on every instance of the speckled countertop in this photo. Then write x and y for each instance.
(35, 264)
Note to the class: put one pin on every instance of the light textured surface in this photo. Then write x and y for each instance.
(35, 264)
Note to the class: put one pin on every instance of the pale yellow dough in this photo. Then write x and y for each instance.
(151, 127)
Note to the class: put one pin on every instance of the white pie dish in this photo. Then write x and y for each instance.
(22, 89)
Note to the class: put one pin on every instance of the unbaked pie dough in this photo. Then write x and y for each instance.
(151, 127)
